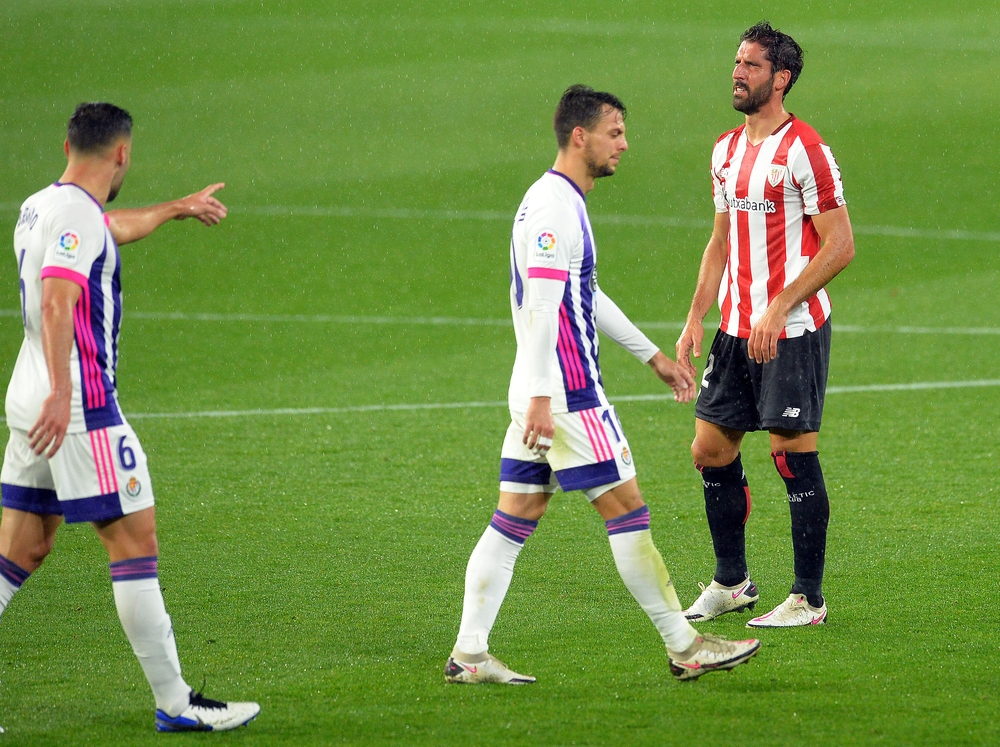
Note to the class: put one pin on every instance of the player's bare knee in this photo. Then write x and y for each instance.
(713, 454)
(620, 500)
(531, 506)
(39, 551)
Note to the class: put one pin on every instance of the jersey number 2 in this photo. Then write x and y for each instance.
(708, 370)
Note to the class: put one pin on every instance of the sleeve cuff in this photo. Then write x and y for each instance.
(53, 271)
(548, 273)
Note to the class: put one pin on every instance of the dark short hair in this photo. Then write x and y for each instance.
(780, 49)
(95, 126)
(581, 106)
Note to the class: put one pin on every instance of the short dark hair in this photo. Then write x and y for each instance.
(95, 126)
(780, 49)
(581, 106)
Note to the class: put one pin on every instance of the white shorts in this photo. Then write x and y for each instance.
(95, 476)
(589, 453)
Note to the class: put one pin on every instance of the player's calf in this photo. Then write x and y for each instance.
(809, 506)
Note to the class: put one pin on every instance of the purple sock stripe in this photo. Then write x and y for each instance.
(513, 527)
(14, 573)
(633, 521)
(133, 569)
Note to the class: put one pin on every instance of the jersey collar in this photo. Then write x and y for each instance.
(572, 183)
(73, 184)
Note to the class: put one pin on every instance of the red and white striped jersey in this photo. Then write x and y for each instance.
(770, 191)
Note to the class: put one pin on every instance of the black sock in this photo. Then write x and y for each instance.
(727, 505)
(810, 509)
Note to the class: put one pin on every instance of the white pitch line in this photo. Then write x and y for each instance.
(182, 316)
(344, 211)
(916, 386)
(320, 211)
(317, 410)
(317, 318)
(919, 330)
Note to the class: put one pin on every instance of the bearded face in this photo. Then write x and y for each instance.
(115, 189)
(119, 177)
(597, 166)
(754, 98)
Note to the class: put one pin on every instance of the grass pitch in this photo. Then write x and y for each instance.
(374, 153)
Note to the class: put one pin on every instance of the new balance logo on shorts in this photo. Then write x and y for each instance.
(791, 412)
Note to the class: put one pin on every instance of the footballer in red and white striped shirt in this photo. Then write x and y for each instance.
(770, 192)
(781, 233)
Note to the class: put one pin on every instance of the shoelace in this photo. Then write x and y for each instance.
(198, 699)
(720, 645)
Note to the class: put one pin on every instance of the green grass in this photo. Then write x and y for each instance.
(315, 563)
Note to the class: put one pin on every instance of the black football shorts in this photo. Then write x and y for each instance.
(784, 394)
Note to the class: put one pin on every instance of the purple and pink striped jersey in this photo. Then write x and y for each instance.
(62, 232)
(552, 239)
(770, 191)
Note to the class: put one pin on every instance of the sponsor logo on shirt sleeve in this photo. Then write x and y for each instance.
(545, 245)
(68, 248)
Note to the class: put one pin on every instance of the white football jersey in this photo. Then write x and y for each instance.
(62, 232)
(552, 238)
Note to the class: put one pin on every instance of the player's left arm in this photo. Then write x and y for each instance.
(613, 322)
(131, 224)
(59, 297)
(836, 252)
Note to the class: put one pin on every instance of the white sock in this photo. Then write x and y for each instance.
(147, 625)
(487, 578)
(641, 568)
(11, 577)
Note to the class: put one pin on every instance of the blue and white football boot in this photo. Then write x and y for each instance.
(205, 714)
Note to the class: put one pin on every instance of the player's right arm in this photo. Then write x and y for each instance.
(545, 294)
(550, 232)
(713, 265)
(131, 224)
(59, 297)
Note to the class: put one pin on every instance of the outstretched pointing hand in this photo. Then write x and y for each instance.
(203, 206)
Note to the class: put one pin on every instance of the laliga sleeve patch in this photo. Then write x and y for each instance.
(545, 246)
(68, 248)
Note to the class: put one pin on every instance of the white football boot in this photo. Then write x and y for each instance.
(710, 653)
(717, 599)
(472, 669)
(793, 612)
(205, 714)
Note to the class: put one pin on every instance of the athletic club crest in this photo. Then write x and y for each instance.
(776, 175)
